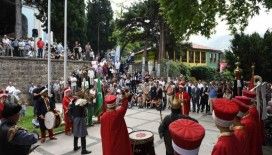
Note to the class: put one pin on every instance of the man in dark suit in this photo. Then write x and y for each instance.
(195, 97)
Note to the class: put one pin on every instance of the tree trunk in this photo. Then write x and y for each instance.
(18, 22)
(144, 59)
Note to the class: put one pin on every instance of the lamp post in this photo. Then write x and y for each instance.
(49, 48)
(65, 44)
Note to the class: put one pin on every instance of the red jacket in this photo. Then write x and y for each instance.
(227, 145)
(252, 127)
(40, 44)
(185, 109)
(1, 109)
(114, 134)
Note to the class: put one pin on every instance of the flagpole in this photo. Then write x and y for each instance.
(65, 44)
(49, 48)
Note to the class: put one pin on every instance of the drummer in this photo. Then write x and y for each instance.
(187, 136)
(44, 106)
(114, 134)
(163, 128)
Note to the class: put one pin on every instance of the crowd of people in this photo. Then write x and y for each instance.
(106, 89)
(37, 48)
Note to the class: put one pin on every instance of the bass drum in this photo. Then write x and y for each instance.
(142, 142)
(52, 120)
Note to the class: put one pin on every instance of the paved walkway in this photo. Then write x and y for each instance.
(138, 119)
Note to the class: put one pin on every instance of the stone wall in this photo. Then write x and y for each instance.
(23, 71)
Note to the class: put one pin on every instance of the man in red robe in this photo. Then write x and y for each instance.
(184, 98)
(3, 97)
(114, 134)
(252, 125)
(224, 112)
(239, 128)
(65, 105)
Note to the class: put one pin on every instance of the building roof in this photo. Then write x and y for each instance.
(196, 46)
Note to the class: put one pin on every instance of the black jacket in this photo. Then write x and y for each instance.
(163, 128)
(19, 144)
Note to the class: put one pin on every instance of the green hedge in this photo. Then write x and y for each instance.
(203, 73)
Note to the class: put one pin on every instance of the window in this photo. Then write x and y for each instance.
(211, 57)
(184, 55)
(203, 57)
(191, 57)
(214, 59)
(197, 56)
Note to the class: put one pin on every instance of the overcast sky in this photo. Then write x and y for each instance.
(221, 39)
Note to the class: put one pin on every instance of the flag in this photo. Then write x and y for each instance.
(99, 99)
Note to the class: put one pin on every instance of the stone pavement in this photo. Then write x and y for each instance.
(138, 119)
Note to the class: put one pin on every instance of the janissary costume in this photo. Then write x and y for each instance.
(187, 136)
(164, 126)
(252, 125)
(43, 106)
(114, 134)
(65, 105)
(184, 98)
(239, 128)
(224, 112)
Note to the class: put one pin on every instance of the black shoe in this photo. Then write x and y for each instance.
(85, 152)
(76, 148)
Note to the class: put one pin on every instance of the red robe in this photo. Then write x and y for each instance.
(114, 134)
(242, 136)
(251, 126)
(227, 145)
(65, 104)
(185, 108)
(1, 109)
(260, 125)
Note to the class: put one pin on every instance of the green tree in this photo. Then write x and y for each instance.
(252, 49)
(76, 18)
(100, 25)
(199, 16)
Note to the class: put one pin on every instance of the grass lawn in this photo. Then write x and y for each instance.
(26, 122)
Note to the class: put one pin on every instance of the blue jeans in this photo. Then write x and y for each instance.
(40, 53)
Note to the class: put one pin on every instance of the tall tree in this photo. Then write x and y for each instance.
(76, 21)
(199, 16)
(252, 49)
(100, 25)
(18, 19)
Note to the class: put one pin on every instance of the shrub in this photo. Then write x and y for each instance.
(203, 73)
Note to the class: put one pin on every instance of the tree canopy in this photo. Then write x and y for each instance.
(199, 16)
(76, 21)
(100, 23)
(252, 49)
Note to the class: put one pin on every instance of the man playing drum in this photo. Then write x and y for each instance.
(114, 134)
(44, 106)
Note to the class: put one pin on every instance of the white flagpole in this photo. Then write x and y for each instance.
(49, 47)
(65, 43)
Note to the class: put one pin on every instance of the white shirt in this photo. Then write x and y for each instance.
(73, 81)
(6, 41)
(10, 89)
(117, 65)
(91, 74)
